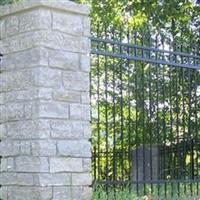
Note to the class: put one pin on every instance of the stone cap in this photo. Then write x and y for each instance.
(63, 5)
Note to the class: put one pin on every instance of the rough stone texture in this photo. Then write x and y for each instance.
(44, 101)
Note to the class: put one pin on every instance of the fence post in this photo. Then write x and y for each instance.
(44, 101)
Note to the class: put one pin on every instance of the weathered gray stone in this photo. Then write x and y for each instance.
(45, 38)
(77, 81)
(31, 164)
(85, 98)
(2, 98)
(84, 192)
(25, 95)
(12, 112)
(68, 23)
(77, 192)
(30, 129)
(64, 164)
(68, 96)
(25, 148)
(79, 112)
(81, 179)
(3, 193)
(16, 80)
(29, 193)
(11, 25)
(74, 148)
(86, 26)
(25, 59)
(7, 164)
(62, 129)
(46, 77)
(3, 131)
(45, 179)
(54, 110)
(85, 62)
(44, 101)
(11, 178)
(62, 193)
(87, 162)
(64, 60)
(87, 193)
(36, 19)
(43, 148)
(63, 6)
(9, 148)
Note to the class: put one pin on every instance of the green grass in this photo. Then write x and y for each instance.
(100, 193)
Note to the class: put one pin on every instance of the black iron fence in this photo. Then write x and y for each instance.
(145, 98)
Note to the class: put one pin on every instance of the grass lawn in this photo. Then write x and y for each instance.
(100, 194)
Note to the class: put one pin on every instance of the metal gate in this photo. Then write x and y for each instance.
(145, 98)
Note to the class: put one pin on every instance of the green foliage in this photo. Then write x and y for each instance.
(170, 16)
(99, 193)
(3, 2)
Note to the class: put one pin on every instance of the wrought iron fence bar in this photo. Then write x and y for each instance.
(137, 58)
(94, 39)
(147, 117)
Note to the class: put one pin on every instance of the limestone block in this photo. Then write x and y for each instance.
(27, 95)
(85, 98)
(3, 193)
(81, 179)
(62, 193)
(68, 23)
(77, 81)
(84, 192)
(54, 110)
(46, 77)
(9, 148)
(29, 193)
(86, 26)
(62, 164)
(25, 148)
(87, 163)
(7, 164)
(25, 59)
(64, 60)
(2, 98)
(74, 148)
(85, 62)
(70, 130)
(66, 95)
(45, 38)
(79, 112)
(30, 129)
(31, 164)
(17, 80)
(45, 179)
(3, 131)
(11, 26)
(43, 148)
(16, 179)
(87, 193)
(63, 6)
(11, 112)
(62, 129)
(36, 19)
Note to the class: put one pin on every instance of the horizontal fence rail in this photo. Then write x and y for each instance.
(145, 98)
(147, 54)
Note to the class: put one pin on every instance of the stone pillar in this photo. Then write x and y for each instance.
(44, 101)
